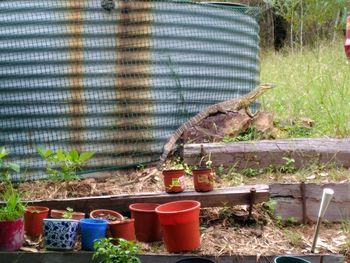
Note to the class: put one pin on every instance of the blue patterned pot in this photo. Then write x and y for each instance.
(60, 234)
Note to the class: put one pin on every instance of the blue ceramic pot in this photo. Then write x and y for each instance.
(60, 234)
(91, 230)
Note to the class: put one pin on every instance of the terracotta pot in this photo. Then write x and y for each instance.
(147, 227)
(58, 214)
(11, 234)
(106, 214)
(174, 181)
(180, 224)
(203, 179)
(33, 220)
(123, 229)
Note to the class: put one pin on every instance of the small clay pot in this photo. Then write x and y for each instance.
(203, 179)
(174, 181)
(33, 220)
(123, 229)
(58, 214)
(106, 214)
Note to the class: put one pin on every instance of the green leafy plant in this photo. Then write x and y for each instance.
(64, 165)
(123, 251)
(271, 206)
(68, 214)
(288, 166)
(13, 208)
(176, 164)
(6, 168)
(251, 172)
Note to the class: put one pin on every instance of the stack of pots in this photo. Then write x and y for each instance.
(119, 227)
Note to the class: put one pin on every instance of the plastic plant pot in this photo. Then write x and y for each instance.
(147, 227)
(288, 259)
(58, 214)
(180, 224)
(106, 214)
(91, 230)
(203, 179)
(174, 181)
(11, 234)
(195, 260)
(123, 229)
(60, 234)
(33, 220)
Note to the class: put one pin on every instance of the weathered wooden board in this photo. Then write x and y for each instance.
(289, 201)
(259, 154)
(86, 257)
(219, 197)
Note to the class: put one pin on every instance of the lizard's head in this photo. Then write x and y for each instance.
(266, 86)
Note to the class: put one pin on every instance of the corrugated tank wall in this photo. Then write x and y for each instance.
(116, 81)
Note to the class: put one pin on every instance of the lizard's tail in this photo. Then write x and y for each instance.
(251, 96)
(166, 150)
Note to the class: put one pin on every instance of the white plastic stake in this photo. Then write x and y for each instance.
(326, 199)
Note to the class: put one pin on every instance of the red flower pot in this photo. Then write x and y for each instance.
(174, 181)
(33, 220)
(180, 225)
(123, 229)
(106, 214)
(147, 227)
(203, 180)
(11, 234)
(58, 214)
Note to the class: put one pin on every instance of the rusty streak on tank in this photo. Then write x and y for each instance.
(75, 42)
(133, 80)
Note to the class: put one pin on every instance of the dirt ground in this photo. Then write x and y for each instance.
(224, 231)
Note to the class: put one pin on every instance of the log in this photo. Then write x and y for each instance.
(219, 197)
(261, 154)
(289, 201)
(86, 257)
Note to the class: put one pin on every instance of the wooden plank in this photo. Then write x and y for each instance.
(86, 257)
(219, 197)
(259, 154)
(289, 204)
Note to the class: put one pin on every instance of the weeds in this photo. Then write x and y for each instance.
(313, 84)
(295, 238)
(64, 165)
(288, 166)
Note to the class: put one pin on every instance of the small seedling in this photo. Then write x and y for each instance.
(288, 166)
(251, 172)
(64, 165)
(68, 214)
(123, 251)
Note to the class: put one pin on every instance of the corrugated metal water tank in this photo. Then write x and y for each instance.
(116, 80)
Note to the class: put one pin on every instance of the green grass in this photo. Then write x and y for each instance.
(313, 84)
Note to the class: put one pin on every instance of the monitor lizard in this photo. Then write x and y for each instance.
(233, 105)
